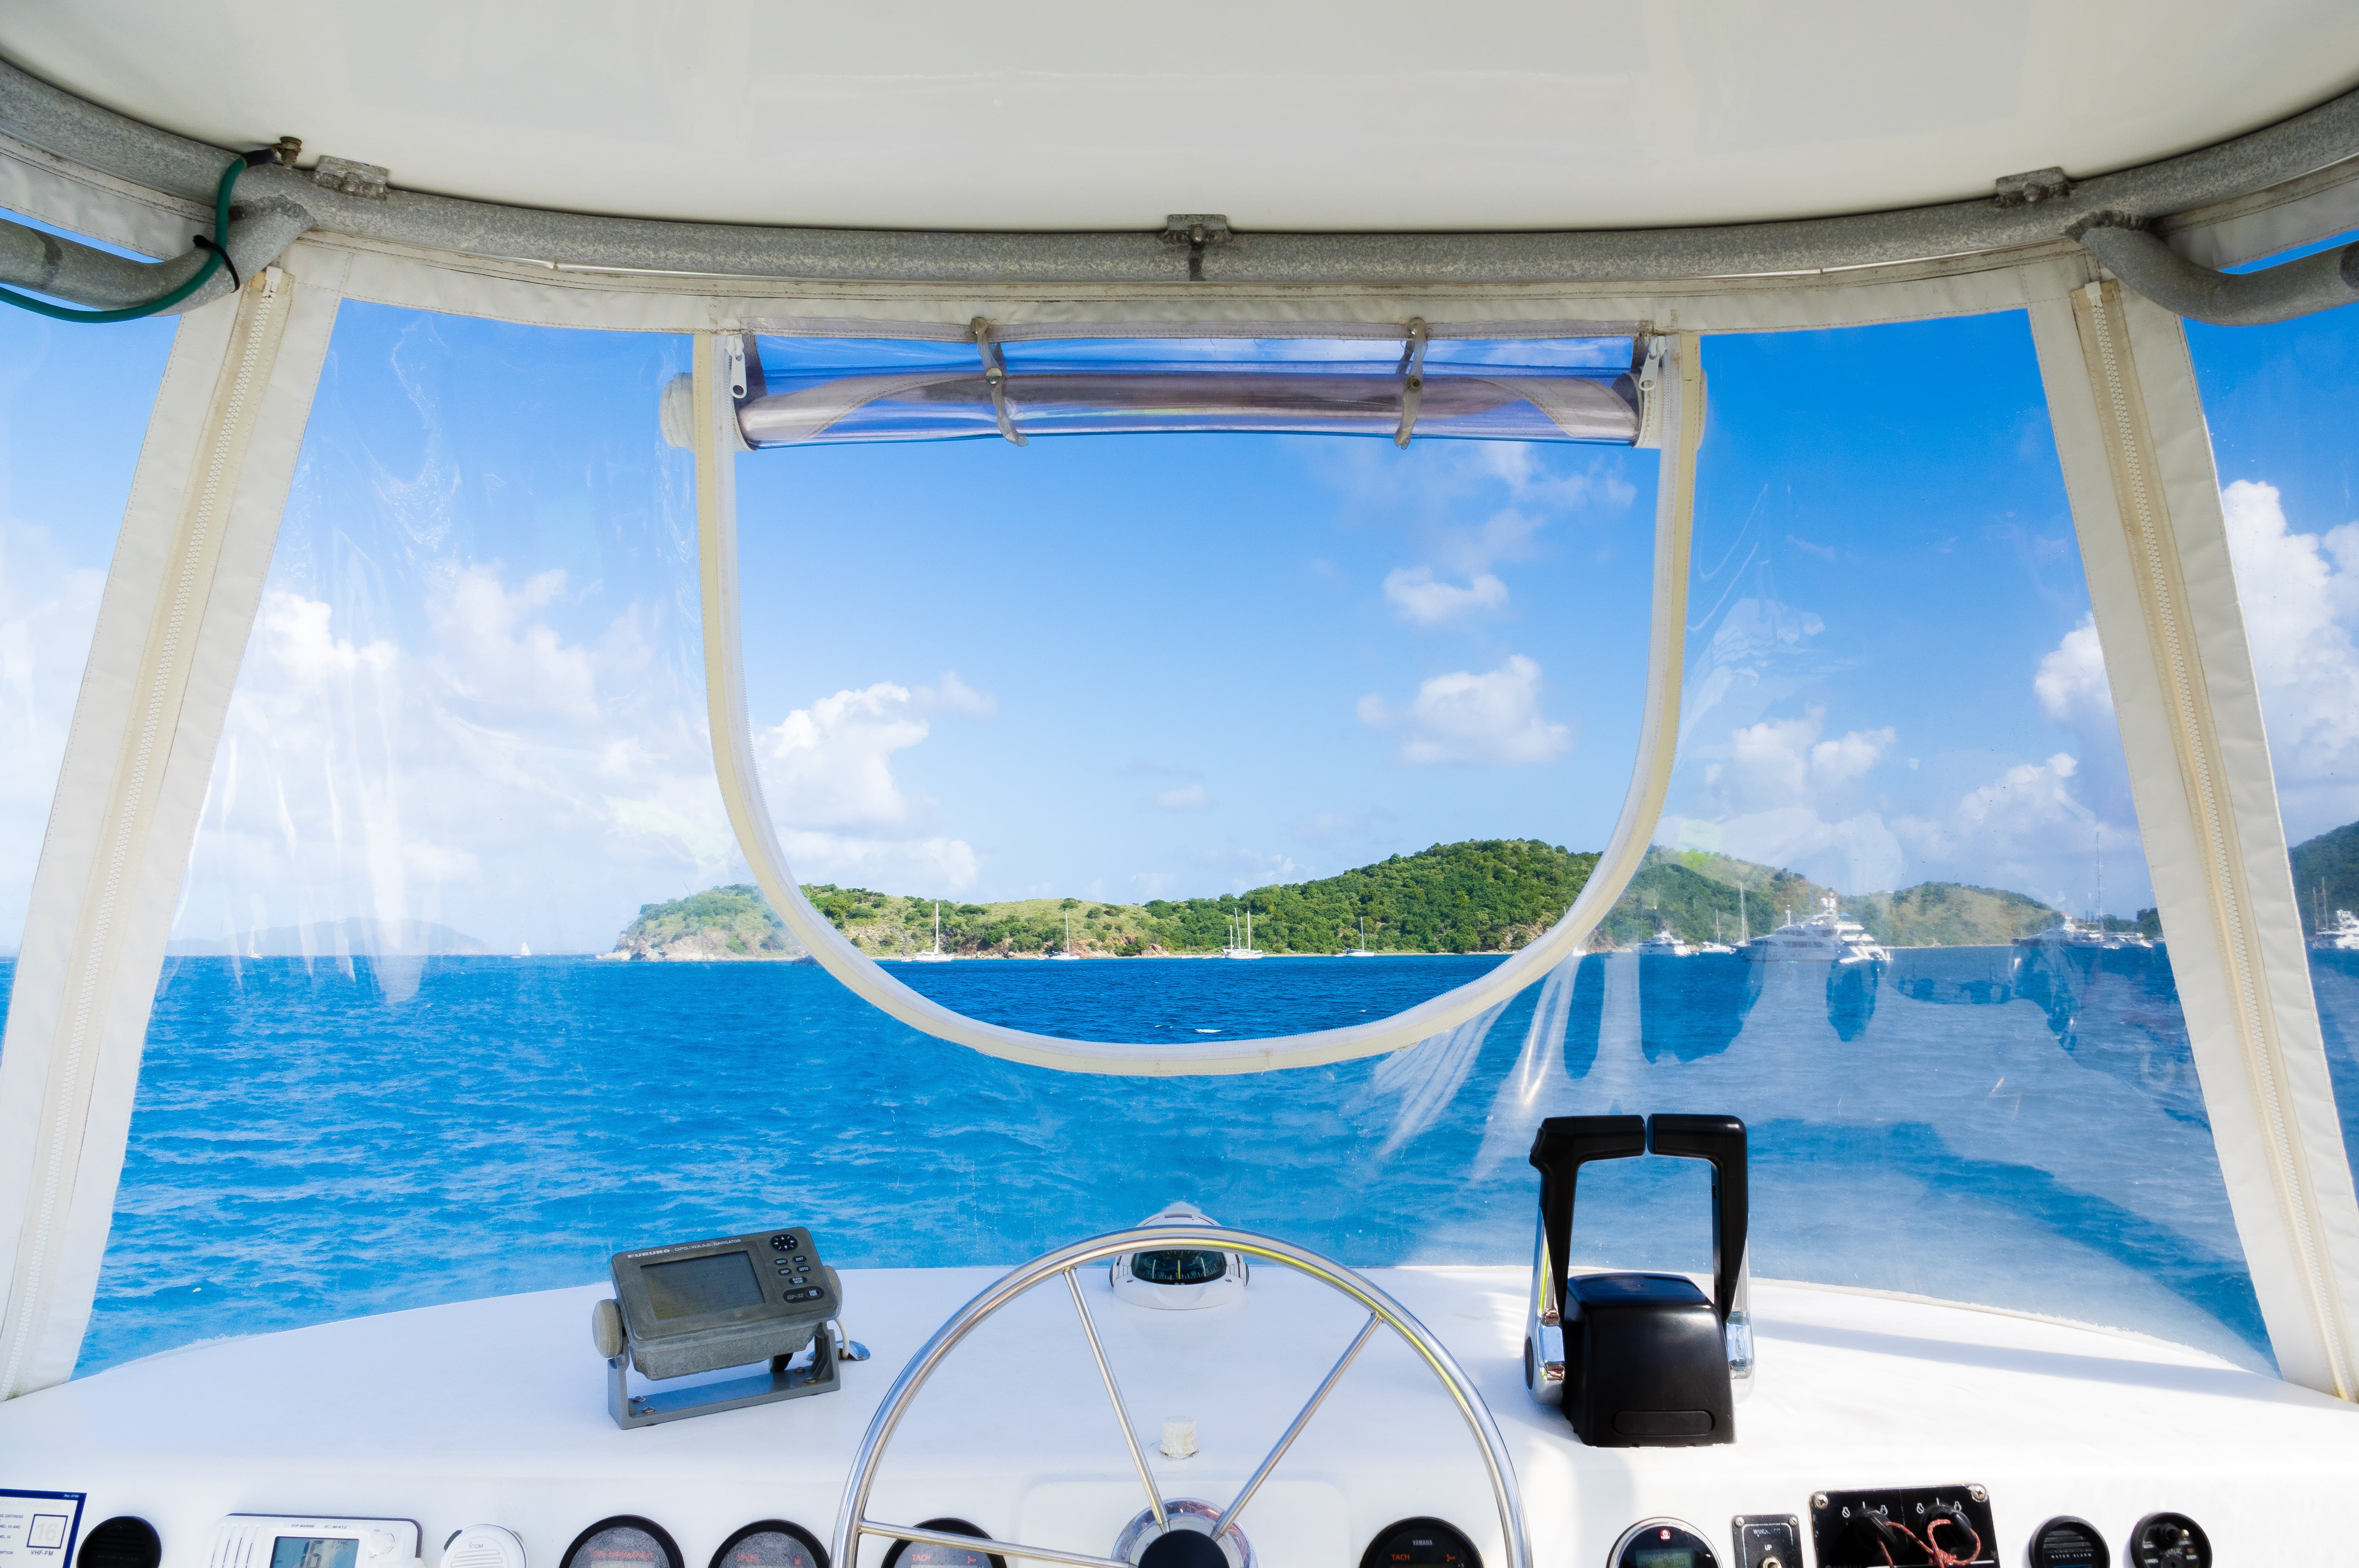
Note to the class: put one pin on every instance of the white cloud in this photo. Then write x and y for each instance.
(493, 651)
(1851, 755)
(935, 862)
(1425, 602)
(2028, 829)
(2072, 684)
(1778, 760)
(2300, 597)
(831, 764)
(1187, 798)
(828, 770)
(1494, 720)
(378, 776)
(1783, 793)
(48, 607)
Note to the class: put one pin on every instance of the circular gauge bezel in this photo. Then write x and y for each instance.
(771, 1527)
(1420, 1521)
(150, 1544)
(646, 1527)
(1708, 1557)
(948, 1527)
(2138, 1536)
(2037, 1556)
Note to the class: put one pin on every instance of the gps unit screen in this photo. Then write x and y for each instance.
(694, 1286)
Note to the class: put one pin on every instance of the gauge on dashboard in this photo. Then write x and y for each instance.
(626, 1540)
(927, 1555)
(2169, 1540)
(1662, 1543)
(1420, 1543)
(771, 1543)
(2069, 1543)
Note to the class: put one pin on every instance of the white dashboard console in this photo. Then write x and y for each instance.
(293, 1540)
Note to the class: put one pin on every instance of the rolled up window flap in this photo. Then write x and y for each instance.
(836, 391)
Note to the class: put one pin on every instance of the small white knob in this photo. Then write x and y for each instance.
(606, 1331)
(1180, 1438)
(380, 1543)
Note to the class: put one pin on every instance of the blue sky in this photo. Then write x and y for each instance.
(1133, 666)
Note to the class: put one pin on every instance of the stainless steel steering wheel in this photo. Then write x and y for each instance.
(851, 1520)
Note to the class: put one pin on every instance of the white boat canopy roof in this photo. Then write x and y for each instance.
(1303, 118)
(1305, 147)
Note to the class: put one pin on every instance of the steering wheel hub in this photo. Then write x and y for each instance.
(1147, 1545)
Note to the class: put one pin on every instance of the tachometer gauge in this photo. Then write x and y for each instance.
(1420, 1543)
(626, 1540)
(927, 1555)
(771, 1543)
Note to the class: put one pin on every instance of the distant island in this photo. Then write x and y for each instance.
(2326, 876)
(1491, 895)
(735, 922)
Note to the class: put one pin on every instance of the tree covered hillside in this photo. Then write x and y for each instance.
(1487, 895)
(733, 922)
(2326, 875)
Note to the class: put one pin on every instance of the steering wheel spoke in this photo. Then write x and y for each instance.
(987, 1547)
(1121, 1411)
(1317, 1398)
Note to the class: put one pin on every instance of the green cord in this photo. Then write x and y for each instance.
(133, 312)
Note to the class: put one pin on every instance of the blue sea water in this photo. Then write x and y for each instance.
(313, 1142)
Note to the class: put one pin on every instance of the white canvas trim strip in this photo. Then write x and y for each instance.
(180, 600)
(1681, 376)
(2146, 503)
(534, 293)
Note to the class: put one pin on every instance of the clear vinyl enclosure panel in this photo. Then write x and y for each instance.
(471, 722)
(1245, 662)
(2283, 401)
(1898, 915)
(72, 406)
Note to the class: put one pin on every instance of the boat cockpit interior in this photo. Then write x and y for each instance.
(1789, 501)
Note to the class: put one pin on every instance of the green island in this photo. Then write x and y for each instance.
(1492, 895)
(2326, 876)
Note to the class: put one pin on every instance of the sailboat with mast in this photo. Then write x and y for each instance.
(1244, 949)
(939, 956)
(1362, 950)
(1066, 953)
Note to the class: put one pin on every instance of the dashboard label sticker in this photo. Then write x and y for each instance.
(39, 1528)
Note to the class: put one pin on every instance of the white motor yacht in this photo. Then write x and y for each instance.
(2043, 1286)
(1825, 937)
(1664, 944)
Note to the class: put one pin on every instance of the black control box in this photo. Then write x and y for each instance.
(1899, 1527)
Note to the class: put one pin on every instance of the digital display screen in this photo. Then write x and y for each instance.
(1664, 1557)
(690, 1288)
(314, 1552)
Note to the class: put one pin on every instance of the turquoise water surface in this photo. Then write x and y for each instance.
(1990, 1124)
